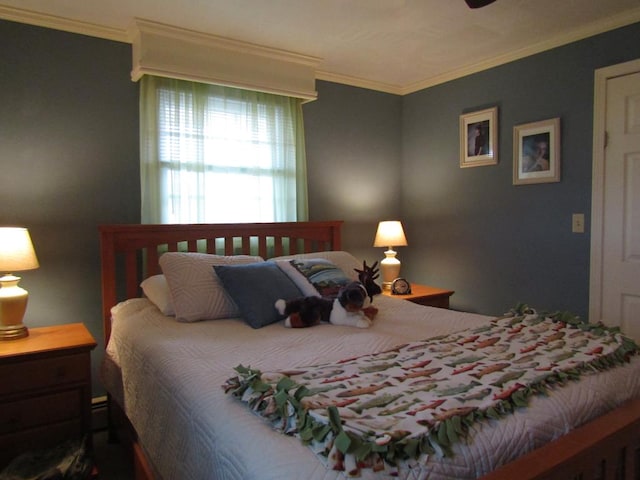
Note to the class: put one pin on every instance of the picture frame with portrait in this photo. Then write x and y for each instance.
(536, 152)
(479, 138)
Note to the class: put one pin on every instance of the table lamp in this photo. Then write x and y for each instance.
(390, 234)
(16, 254)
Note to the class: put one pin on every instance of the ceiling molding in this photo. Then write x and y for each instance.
(94, 30)
(359, 82)
(61, 23)
(611, 23)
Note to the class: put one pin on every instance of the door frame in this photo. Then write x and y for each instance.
(602, 75)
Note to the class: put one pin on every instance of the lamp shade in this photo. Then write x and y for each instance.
(390, 234)
(16, 250)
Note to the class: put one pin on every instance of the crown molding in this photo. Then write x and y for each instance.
(359, 82)
(127, 35)
(595, 28)
(124, 35)
(605, 25)
(60, 23)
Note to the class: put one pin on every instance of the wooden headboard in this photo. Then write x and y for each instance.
(130, 253)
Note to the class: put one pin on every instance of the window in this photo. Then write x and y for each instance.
(218, 154)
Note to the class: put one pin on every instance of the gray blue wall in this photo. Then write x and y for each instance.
(470, 229)
(353, 140)
(69, 162)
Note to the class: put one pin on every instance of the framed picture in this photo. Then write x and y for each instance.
(536, 152)
(479, 138)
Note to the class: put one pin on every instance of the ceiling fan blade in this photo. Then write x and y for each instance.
(478, 3)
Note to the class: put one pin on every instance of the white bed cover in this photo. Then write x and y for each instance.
(172, 375)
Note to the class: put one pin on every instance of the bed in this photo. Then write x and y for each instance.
(164, 377)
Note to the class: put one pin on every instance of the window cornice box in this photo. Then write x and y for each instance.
(167, 51)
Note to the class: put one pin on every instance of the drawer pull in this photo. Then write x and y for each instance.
(61, 372)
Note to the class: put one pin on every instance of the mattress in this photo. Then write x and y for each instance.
(171, 377)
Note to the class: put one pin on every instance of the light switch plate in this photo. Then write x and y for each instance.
(577, 223)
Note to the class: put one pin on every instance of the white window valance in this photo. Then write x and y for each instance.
(167, 51)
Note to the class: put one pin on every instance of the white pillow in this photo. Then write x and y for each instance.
(343, 260)
(196, 290)
(156, 289)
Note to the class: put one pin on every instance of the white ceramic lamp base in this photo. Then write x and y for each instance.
(389, 268)
(13, 304)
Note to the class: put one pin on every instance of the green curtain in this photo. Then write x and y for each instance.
(210, 153)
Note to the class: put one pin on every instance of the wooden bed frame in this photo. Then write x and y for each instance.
(606, 448)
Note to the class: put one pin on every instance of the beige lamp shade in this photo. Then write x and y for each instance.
(16, 254)
(390, 234)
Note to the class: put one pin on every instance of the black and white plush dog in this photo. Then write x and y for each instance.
(348, 309)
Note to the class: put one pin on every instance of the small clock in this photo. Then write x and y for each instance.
(400, 286)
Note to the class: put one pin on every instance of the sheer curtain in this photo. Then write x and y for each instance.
(218, 154)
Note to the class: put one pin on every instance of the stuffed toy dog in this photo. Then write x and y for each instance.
(346, 309)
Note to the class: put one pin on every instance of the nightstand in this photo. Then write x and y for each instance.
(45, 391)
(425, 295)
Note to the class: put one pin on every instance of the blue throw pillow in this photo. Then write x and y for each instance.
(255, 287)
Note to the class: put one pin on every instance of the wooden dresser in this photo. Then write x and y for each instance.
(45, 389)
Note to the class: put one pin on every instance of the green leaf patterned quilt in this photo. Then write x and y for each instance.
(378, 410)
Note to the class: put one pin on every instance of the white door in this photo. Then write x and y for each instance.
(619, 205)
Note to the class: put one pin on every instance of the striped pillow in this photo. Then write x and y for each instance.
(196, 291)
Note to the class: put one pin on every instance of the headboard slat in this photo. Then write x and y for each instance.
(152, 266)
(262, 246)
(228, 245)
(277, 246)
(211, 245)
(246, 245)
(131, 271)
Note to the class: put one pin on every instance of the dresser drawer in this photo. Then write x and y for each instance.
(40, 410)
(45, 389)
(44, 373)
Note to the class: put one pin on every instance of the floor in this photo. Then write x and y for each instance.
(111, 460)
